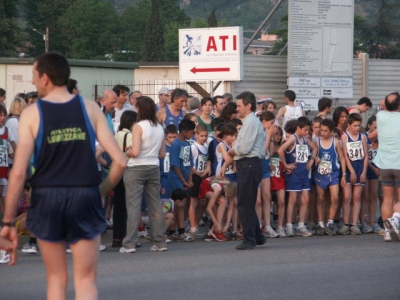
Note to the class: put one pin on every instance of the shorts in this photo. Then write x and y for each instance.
(194, 190)
(370, 174)
(66, 214)
(325, 181)
(358, 166)
(297, 186)
(164, 191)
(266, 171)
(205, 187)
(390, 177)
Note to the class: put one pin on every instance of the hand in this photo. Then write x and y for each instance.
(225, 229)
(377, 171)
(309, 164)
(317, 161)
(343, 181)
(290, 167)
(363, 176)
(10, 234)
(353, 177)
(190, 184)
(271, 130)
(222, 172)
(271, 168)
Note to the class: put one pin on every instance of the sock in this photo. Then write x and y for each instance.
(181, 231)
(32, 240)
(330, 221)
(321, 223)
(289, 225)
(301, 224)
(396, 215)
(170, 232)
(268, 227)
(337, 221)
(280, 227)
(349, 225)
(193, 229)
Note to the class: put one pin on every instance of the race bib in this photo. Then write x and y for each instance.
(355, 150)
(266, 155)
(3, 156)
(372, 154)
(229, 169)
(325, 167)
(301, 153)
(202, 163)
(185, 156)
(276, 172)
(166, 163)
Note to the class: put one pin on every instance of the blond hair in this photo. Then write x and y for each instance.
(16, 107)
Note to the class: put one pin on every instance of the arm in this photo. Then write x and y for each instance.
(281, 152)
(215, 194)
(280, 114)
(228, 215)
(339, 151)
(353, 176)
(363, 177)
(314, 151)
(163, 151)
(317, 159)
(137, 133)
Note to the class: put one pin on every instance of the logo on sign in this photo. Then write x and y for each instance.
(327, 92)
(192, 46)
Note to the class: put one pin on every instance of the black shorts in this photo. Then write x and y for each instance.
(194, 191)
(66, 214)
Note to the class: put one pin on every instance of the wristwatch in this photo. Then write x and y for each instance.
(9, 224)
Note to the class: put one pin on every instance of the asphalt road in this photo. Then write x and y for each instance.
(341, 267)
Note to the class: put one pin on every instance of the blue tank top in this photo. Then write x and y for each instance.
(329, 155)
(65, 150)
(171, 119)
(229, 172)
(299, 156)
(200, 163)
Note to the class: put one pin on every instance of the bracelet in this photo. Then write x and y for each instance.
(9, 224)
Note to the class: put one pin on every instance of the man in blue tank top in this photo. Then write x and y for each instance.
(173, 113)
(60, 130)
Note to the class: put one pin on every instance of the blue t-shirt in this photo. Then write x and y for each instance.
(181, 157)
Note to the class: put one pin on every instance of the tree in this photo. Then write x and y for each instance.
(153, 49)
(282, 34)
(11, 35)
(90, 29)
(212, 19)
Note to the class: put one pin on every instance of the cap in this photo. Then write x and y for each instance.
(163, 90)
(263, 100)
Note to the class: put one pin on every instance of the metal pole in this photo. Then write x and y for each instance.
(263, 24)
(211, 89)
(283, 49)
(46, 39)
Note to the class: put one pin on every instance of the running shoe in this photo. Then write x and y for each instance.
(344, 230)
(29, 248)
(269, 232)
(189, 237)
(330, 230)
(102, 247)
(143, 233)
(219, 236)
(199, 235)
(281, 232)
(367, 229)
(392, 224)
(303, 231)
(290, 231)
(209, 238)
(4, 257)
(387, 237)
(127, 250)
(320, 231)
(378, 229)
(355, 230)
(236, 236)
(158, 249)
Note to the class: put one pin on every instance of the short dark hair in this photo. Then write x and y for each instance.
(228, 111)
(228, 96)
(71, 85)
(328, 123)
(120, 88)
(128, 117)
(186, 125)
(317, 119)
(146, 110)
(188, 116)
(323, 103)
(355, 117)
(177, 93)
(218, 127)
(3, 109)
(394, 105)
(290, 95)
(248, 98)
(55, 66)
(365, 100)
(267, 116)
(303, 122)
(215, 122)
(201, 128)
(227, 129)
(171, 128)
(204, 100)
(215, 98)
(337, 113)
(267, 103)
(290, 126)
(371, 120)
(235, 121)
(2, 92)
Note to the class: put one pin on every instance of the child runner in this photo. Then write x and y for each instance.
(171, 134)
(355, 147)
(297, 165)
(228, 136)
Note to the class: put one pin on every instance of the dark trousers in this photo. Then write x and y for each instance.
(249, 173)
(119, 212)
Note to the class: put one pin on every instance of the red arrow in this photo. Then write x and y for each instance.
(194, 70)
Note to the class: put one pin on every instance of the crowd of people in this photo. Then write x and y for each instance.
(162, 168)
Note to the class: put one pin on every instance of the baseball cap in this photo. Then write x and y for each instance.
(264, 99)
(163, 90)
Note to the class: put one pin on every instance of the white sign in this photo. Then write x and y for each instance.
(337, 82)
(337, 92)
(304, 82)
(211, 54)
(309, 103)
(307, 92)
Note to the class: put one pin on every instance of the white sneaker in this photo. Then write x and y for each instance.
(4, 257)
(143, 234)
(392, 224)
(102, 247)
(29, 248)
(281, 232)
(269, 232)
(302, 231)
(387, 237)
(126, 250)
(290, 231)
(377, 229)
(158, 249)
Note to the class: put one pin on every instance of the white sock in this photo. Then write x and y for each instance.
(301, 224)
(289, 225)
(193, 229)
(330, 221)
(268, 227)
(396, 215)
(321, 223)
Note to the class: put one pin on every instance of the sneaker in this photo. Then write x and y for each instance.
(199, 235)
(269, 232)
(344, 230)
(290, 231)
(158, 249)
(236, 236)
(392, 224)
(219, 236)
(330, 230)
(68, 249)
(109, 224)
(312, 226)
(29, 248)
(303, 231)
(143, 233)
(209, 238)
(387, 237)
(4, 257)
(320, 231)
(127, 250)
(116, 244)
(281, 232)
(180, 237)
(189, 237)
(355, 230)
(102, 247)
(378, 229)
(367, 229)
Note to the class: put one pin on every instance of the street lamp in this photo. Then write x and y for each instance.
(45, 38)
